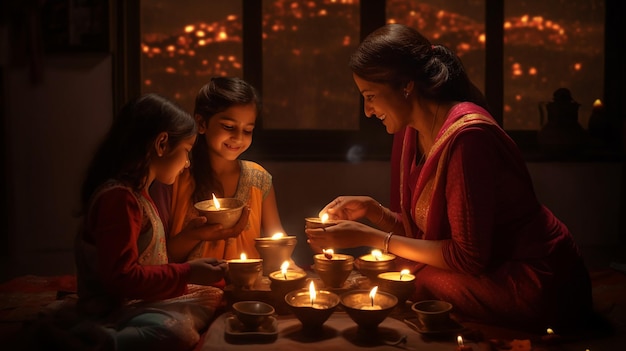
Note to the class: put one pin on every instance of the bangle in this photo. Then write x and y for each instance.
(386, 242)
(382, 213)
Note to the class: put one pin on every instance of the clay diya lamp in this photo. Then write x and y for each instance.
(275, 250)
(318, 222)
(333, 269)
(244, 272)
(282, 282)
(312, 307)
(368, 308)
(225, 211)
(376, 262)
(400, 284)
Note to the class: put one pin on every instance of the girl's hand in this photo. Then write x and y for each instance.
(349, 207)
(206, 271)
(209, 232)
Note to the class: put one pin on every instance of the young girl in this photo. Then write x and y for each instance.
(124, 279)
(226, 110)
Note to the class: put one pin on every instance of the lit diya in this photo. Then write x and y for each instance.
(275, 250)
(368, 308)
(284, 281)
(312, 307)
(244, 272)
(333, 268)
(401, 284)
(376, 262)
(225, 211)
(319, 222)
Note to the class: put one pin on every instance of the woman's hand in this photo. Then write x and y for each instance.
(349, 207)
(344, 234)
(206, 271)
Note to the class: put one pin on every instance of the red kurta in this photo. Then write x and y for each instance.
(512, 261)
(116, 256)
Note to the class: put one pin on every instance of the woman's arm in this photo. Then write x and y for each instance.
(349, 234)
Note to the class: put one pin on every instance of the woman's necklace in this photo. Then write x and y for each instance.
(432, 130)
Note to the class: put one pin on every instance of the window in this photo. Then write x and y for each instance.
(296, 54)
(546, 48)
(185, 42)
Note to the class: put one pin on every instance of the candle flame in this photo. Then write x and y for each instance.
(549, 331)
(277, 236)
(377, 254)
(215, 202)
(459, 340)
(403, 272)
(243, 257)
(597, 103)
(283, 268)
(328, 253)
(312, 292)
(324, 217)
(373, 294)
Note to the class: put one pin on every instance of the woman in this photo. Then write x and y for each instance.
(226, 110)
(467, 215)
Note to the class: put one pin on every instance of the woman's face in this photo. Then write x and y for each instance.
(174, 161)
(385, 103)
(229, 133)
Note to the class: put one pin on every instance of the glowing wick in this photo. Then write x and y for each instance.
(372, 294)
(328, 253)
(283, 268)
(243, 257)
(324, 217)
(215, 202)
(312, 292)
(403, 272)
(277, 236)
(459, 340)
(377, 254)
(549, 331)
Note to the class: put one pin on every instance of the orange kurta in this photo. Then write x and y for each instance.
(254, 185)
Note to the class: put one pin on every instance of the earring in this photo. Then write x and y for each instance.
(406, 94)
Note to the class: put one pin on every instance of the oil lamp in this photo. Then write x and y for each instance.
(243, 272)
(312, 307)
(368, 308)
(401, 284)
(275, 250)
(376, 262)
(284, 281)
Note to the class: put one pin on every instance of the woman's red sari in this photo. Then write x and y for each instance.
(511, 260)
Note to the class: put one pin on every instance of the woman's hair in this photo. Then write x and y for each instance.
(218, 95)
(396, 54)
(126, 151)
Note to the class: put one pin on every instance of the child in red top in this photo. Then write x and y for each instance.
(124, 277)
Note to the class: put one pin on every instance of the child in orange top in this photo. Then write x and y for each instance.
(225, 110)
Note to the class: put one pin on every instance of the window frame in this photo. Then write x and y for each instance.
(374, 143)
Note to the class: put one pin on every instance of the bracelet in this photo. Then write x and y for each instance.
(382, 213)
(386, 242)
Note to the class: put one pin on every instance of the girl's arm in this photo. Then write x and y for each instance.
(270, 218)
(179, 246)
